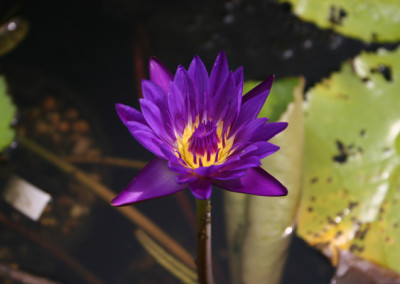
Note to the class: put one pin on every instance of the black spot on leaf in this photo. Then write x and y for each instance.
(336, 15)
(362, 232)
(385, 70)
(343, 155)
(331, 221)
(352, 205)
(356, 248)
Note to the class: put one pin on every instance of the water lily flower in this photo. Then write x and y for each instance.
(203, 132)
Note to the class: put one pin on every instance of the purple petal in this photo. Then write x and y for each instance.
(233, 109)
(177, 108)
(199, 75)
(224, 97)
(126, 113)
(156, 118)
(245, 163)
(153, 92)
(264, 86)
(256, 182)
(239, 77)
(229, 175)
(263, 149)
(201, 188)
(185, 85)
(268, 131)
(239, 88)
(186, 178)
(218, 73)
(175, 164)
(146, 138)
(252, 103)
(251, 107)
(208, 171)
(159, 74)
(248, 130)
(154, 180)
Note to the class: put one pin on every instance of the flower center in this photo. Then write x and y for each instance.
(203, 144)
(204, 140)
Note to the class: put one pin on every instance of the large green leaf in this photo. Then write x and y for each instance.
(352, 167)
(7, 113)
(259, 228)
(368, 20)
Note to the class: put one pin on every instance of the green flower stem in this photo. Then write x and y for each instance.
(204, 263)
(106, 194)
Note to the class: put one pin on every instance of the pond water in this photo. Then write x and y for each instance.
(79, 59)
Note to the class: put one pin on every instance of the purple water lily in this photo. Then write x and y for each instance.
(203, 132)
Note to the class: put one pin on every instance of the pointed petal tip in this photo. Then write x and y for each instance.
(145, 186)
(124, 198)
(197, 58)
(268, 82)
(284, 192)
(117, 201)
(263, 89)
(221, 54)
(256, 182)
(155, 65)
(120, 107)
(180, 72)
(159, 73)
(127, 113)
(221, 58)
(155, 62)
(120, 111)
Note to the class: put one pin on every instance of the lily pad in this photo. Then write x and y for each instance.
(368, 20)
(7, 113)
(351, 182)
(259, 228)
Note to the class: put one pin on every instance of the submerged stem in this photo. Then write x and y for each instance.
(106, 194)
(204, 263)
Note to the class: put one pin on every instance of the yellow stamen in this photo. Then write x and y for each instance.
(182, 147)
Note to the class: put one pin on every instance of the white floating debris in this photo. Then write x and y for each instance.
(25, 197)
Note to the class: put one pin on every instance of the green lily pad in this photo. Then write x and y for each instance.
(351, 184)
(7, 113)
(259, 228)
(368, 20)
